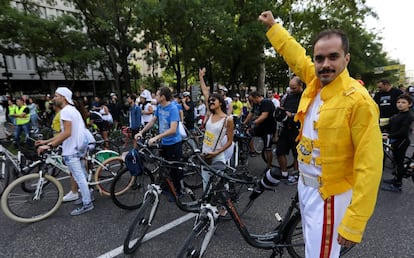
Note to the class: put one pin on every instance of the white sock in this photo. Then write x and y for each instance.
(285, 173)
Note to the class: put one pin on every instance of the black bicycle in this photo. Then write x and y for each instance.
(287, 235)
(389, 161)
(186, 201)
(132, 194)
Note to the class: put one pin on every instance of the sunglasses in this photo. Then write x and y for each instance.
(212, 100)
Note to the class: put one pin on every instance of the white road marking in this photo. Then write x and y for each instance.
(152, 234)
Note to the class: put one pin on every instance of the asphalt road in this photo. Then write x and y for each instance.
(101, 232)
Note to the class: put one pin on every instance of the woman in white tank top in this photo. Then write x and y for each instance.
(218, 136)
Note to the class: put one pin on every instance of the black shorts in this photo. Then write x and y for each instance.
(103, 126)
(267, 141)
(287, 142)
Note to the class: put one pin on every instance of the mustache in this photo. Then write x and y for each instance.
(326, 70)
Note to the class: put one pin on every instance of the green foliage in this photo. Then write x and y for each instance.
(223, 36)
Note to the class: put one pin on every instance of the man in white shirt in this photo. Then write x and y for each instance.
(74, 144)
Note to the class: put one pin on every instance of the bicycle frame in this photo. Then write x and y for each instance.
(271, 240)
(275, 240)
(7, 155)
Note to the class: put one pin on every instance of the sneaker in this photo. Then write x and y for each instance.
(391, 188)
(83, 209)
(292, 180)
(390, 181)
(79, 201)
(71, 196)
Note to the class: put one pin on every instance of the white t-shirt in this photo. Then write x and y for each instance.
(77, 137)
(145, 118)
(201, 110)
(228, 101)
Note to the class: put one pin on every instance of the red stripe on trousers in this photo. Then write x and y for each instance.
(328, 226)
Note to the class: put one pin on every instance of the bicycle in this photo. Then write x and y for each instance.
(286, 235)
(240, 156)
(130, 198)
(389, 161)
(186, 201)
(38, 195)
(13, 165)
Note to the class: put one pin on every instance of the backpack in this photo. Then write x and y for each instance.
(134, 163)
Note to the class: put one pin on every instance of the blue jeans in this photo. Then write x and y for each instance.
(78, 171)
(18, 130)
(34, 121)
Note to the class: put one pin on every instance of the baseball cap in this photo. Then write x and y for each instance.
(223, 89)
(411, 89)
(65, 92)
(237, 95)
(145, 96)
(186, 93)
(112, 94)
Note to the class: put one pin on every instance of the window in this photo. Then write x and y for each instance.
(11, 63)
(30, 63)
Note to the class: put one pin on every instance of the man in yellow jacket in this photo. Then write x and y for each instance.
(22, 121)
(339, 141)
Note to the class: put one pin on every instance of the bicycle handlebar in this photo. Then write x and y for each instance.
(219, 171)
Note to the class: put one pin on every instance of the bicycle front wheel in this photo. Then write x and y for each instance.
(197, 241)
(127, 192)
(294, 237)
(105, 174)
(26, 207)
(139, 226)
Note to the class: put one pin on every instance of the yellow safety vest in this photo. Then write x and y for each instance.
(22, 120)
(12, 109)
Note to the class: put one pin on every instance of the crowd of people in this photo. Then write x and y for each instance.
(326, 119)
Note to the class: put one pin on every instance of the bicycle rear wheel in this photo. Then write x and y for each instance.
(275, 163)
(139, 226)
(27, 207)
(105, 174)
(294, 237)
(127, 192)
(197, 241)
(258, 144)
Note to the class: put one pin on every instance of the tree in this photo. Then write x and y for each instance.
(113, 27)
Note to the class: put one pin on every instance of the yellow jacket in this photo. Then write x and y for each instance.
(349, 137)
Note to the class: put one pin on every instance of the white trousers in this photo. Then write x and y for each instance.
(320, 220)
